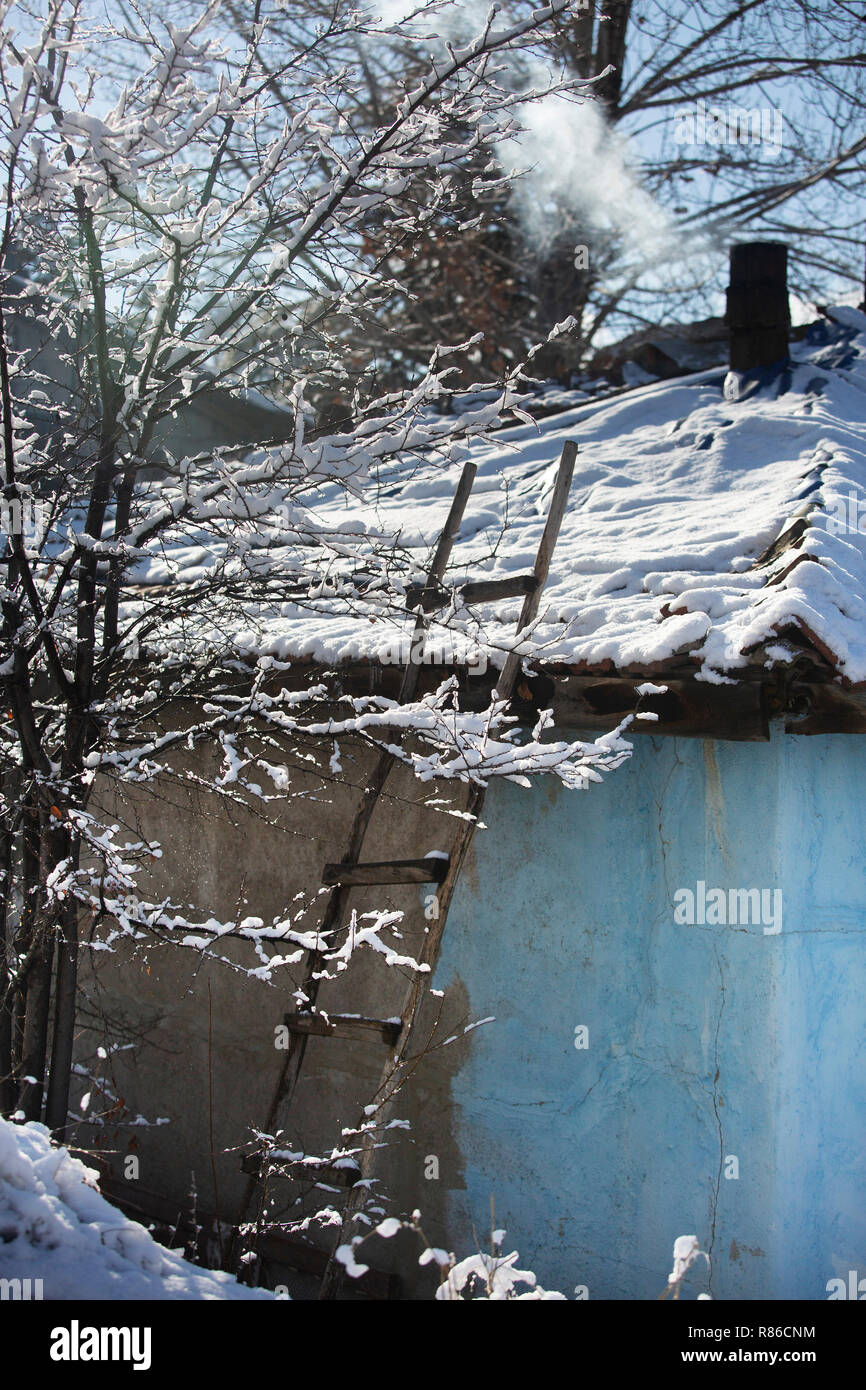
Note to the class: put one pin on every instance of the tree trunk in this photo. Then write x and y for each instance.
(611, 46)
(34, 1048)
(57, 1105)
(7, 1083)
(32, 949)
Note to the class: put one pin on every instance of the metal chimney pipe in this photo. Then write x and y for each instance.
(758, 316)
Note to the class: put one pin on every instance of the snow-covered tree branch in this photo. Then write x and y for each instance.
(175, 196)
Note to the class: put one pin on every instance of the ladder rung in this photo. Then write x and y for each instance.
(344, 1026)
(488, 590)
(433, 870)
(427, 597)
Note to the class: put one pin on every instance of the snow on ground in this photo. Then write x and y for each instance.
(56, 1226)
(677, 493)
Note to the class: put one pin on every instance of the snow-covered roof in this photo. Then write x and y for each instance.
(701, 531)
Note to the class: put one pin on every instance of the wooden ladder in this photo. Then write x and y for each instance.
(440, 871)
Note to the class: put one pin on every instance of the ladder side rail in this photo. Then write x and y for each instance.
(390, 1082)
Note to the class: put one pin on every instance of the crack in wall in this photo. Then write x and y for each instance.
(716, 1190)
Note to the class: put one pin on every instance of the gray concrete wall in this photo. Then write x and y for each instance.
(232, 860)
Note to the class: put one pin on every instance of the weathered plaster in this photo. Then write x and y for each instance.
(705, 1041)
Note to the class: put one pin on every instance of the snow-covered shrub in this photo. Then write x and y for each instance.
(57, 1228)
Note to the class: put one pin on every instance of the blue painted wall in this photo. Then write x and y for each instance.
(704, 1041)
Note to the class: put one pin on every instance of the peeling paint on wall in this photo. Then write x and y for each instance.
(714, 1050)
